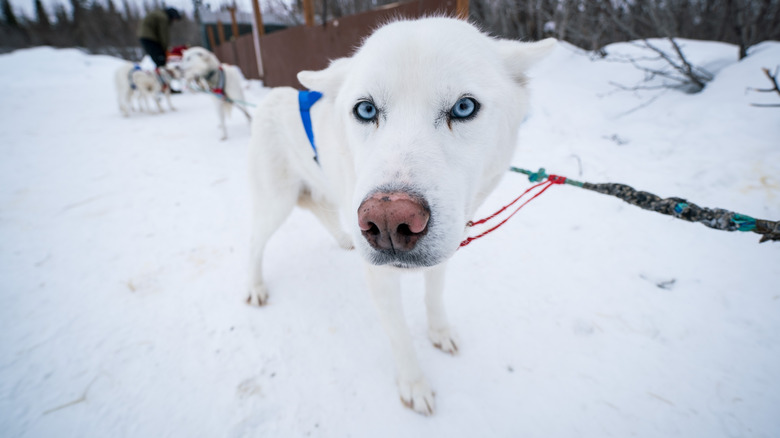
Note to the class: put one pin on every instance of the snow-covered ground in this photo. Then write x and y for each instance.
(123, 259)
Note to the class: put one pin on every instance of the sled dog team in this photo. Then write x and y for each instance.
(199, 67)
(393, 154)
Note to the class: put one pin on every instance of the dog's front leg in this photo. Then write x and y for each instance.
(221, 110)
(168, 98)
(158, 101)
(439, 331)
(385, 286)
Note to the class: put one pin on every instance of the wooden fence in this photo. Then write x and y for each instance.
(286, 52)
(240, 52)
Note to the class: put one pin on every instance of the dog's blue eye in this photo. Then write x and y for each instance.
(365, 111)
(465, 108)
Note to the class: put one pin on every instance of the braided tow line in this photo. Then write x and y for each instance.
(716, 218)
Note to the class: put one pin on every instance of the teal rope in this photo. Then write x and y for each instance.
(541, 175)
(222, 96)
(229, 99)
(743, 222)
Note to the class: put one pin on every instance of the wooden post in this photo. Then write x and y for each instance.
(308, 12)
(221, 32)
(462, 7)
(258, 17)
(210, 33)
(258, 30)
(233, 22)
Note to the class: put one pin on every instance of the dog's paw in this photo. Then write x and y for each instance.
(417, 396)
(258, 296)
(444, 340)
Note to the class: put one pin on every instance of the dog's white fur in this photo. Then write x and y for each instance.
(146, 85)
(414, 72)
(198, 63)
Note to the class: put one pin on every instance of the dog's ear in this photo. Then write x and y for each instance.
(519, 57)
(327, 81)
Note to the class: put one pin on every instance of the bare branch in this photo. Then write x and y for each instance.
(622, 87)
(772, 79)
(775, 88)
(642, 105)
(692, 75)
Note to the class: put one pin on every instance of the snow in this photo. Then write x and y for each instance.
(124, 249)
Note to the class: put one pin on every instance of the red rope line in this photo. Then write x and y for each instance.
(482, 221)
(551, 180)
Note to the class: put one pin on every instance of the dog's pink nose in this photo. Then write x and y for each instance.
(393, 221)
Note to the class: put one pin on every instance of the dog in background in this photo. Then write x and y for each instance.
(135, 84)
(410, 135)
(223, 81)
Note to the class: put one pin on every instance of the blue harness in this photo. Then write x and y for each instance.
(136, 68)
(307, 99)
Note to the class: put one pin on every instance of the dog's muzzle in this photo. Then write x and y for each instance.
(393, 223)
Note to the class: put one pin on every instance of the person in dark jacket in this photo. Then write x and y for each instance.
(154, 32)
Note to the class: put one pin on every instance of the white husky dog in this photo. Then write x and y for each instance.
(222, 80)
(134, 83)
(411, 134)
